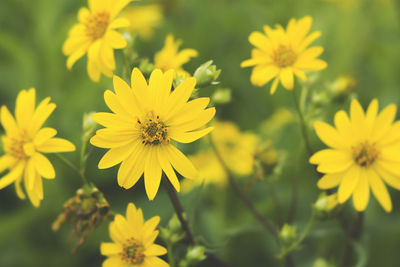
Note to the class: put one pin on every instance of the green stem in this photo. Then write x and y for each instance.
(269, 226)
(303, 124)
(303, 236)
(73, 167)
(171, 259)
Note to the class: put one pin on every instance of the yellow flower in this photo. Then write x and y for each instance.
(236, 148)
(145, 118)
(364, 151)
(25, 142)
(280, 54)
(143, 19)
(133, 241)
(170, 58)
(96, 35)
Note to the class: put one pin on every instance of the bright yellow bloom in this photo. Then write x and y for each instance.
(96, 35)
(170, 58)
(133, 241)
(364, 150)
(143, 19)
(236, 148)
(145, 119)
(280, 54)
(25, 142)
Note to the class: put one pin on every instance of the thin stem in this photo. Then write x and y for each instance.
(179, 211)
(171, 259)
(303, 125)
(303, 236)
(185, 225)
(354, 235)
(263, 221)
(278, 206)
(73, 167)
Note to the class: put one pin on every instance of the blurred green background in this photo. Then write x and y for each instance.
(361, 38)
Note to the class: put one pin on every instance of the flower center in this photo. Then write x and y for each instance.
(154, 131)
(133, 252)
(283, 56)
(97, 24)
(16, 147)
(365, 154)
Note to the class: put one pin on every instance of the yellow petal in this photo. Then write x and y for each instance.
(43, 135)
(261, 75)
(43, 166)
(18, 189)
(379, 190)
(196, 122)
(119, 23)
(132, 168)
(25, 107)
(181, 163)
(110, 249)
(152, 174)
(330, 180)
(166, 167)
(154, 261)
(188, 137)
(116, 155)
(361, 192)
(329, 135)
(383, 122)
(349, 182)
(180, 96)
(56, 145)
(113, 261)
(286, 77)
(335, 166)
(155, 250)
(42, 112)
(329, 155)
(6, 162)
(13, 175)
(30, 175)
(390, 179)
(274, 86)
(8, 122)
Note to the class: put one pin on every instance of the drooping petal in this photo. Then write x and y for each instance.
(361, 192)
(181, 163)
(379, 190)
(13, 175)
(152, 174)
(166, 167)
(116, 155)
(348, 183)
(43, 166)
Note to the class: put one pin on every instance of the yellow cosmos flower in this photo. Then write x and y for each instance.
(364, 153)
(133, 241)
(25, 142)
(170, 58)
(280, 54)
(236, 148)
(96, 35)
(145, 119)
(143, 19)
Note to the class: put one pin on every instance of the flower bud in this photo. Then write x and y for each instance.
(222, 96)
(325, 205)
(206, 74)
(88, 126)
(288, 234)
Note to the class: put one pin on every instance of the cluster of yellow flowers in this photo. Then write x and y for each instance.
(148, 118)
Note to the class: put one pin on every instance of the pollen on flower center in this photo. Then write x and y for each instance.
(365, 153)
(153, 131)
(96, 24)
(284, 56)
(133, 252)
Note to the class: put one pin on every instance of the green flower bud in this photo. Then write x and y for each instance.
(146, 67)
(89, 126)
(325, 205)
(288, 234)
(206, 74)
(221, 96)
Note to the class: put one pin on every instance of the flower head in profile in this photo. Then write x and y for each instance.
(133, 241)
(144, 19)
(25, 142)
(280, 54)
(145, 119)
(364, 154)
(171, 58)
(236, 147)
(96, 34)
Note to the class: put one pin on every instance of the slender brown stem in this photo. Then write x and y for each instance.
(185, 225)
(179, 211)
(269, 226)
(354, 235)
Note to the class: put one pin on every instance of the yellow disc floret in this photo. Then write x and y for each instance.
(365, 154)
(96, 24)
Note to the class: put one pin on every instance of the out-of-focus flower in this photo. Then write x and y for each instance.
(280, 54)
(287, 234)
(342, 86)
(143, 19)
(144, 119)
(95, 34)
(24, 143)
(268, 157)
(279, 119)
(364, 150)
(170, 58)
(236, 148)
(83, 212)
(133, 241)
